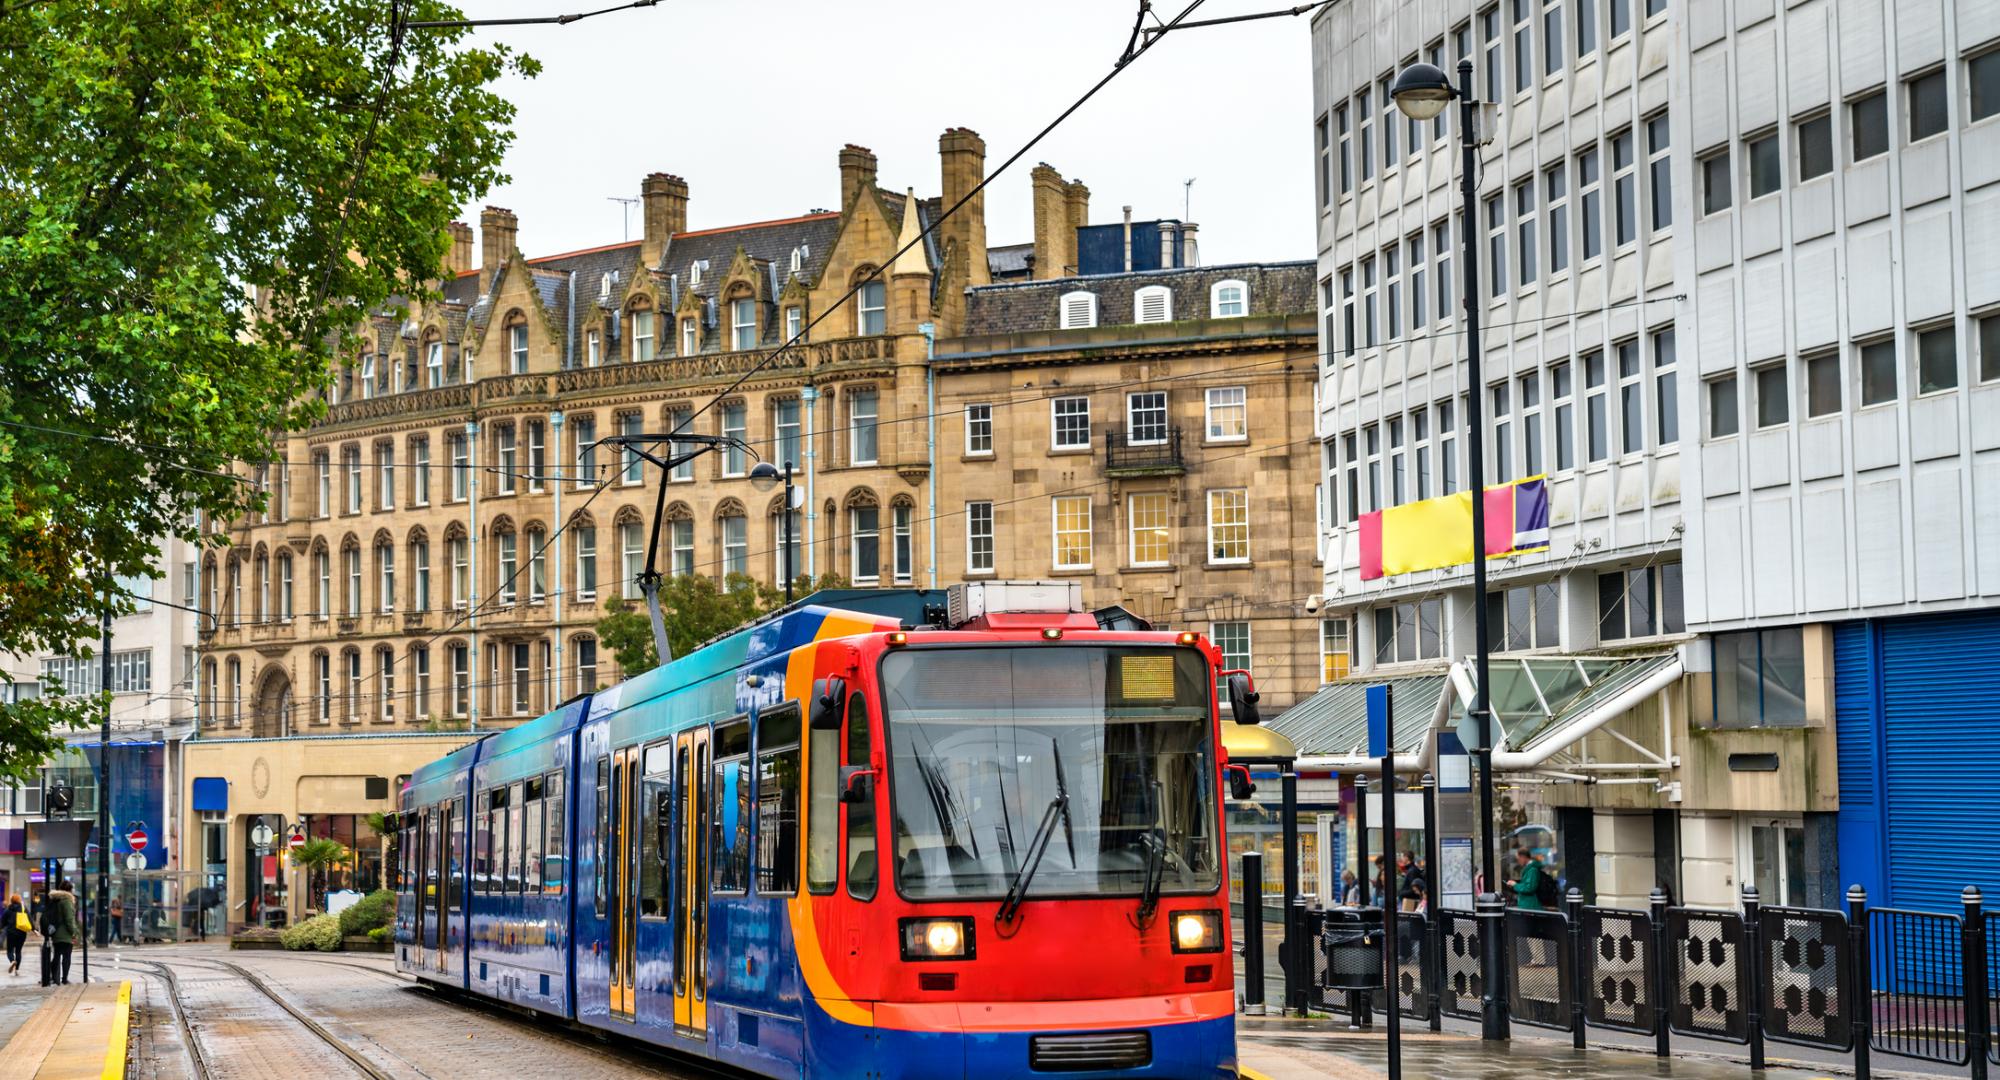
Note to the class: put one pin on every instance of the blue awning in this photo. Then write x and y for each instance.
(211, 794)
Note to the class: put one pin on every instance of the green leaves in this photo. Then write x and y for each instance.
(161, 163)
(696, 608)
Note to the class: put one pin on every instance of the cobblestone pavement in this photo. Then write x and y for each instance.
(398, 1029)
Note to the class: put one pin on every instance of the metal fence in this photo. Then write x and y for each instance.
(1861, 981)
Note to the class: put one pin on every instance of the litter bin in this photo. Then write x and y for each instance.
(1353, 942)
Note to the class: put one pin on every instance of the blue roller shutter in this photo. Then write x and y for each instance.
(1941, 757)
(1857, 698)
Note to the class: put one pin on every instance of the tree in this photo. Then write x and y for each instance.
(695, 609)
(199, 202)
(318, 855)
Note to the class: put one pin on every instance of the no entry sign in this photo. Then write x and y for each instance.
(137, 838)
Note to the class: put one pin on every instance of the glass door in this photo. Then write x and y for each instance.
(690, 904)
(1775, 852)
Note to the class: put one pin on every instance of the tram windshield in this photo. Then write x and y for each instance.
(1108, 750)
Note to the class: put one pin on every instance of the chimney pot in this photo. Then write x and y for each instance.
(499, 231)
(664, 197)
(857, 171)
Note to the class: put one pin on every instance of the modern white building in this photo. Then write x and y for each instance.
(152, 710)
(1730, 289)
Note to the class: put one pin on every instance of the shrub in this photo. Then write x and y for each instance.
(376, 909)
(320, 932)
(381, 933)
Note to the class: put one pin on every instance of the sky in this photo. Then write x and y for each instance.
(751, 103)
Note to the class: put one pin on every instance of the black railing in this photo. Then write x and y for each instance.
(1153, 450)
(1914, 984)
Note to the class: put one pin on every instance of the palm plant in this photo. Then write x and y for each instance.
(318, 855)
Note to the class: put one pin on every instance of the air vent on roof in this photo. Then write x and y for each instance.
(604, 286)
(1078, 309)
(1154, 303)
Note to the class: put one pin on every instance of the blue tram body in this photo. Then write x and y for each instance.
(669, 860)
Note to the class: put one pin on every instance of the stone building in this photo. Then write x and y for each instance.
(1149, 432)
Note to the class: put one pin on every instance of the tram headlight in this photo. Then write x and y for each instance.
(1197, 931)
(937, 938)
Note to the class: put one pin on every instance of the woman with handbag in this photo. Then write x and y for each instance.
(15, 919)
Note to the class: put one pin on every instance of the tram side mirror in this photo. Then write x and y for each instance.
(857, 784)
(1240, 787)
(828, 696)
(1243, 699)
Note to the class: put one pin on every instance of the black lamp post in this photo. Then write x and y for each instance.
(1421, 91)
(764, 476)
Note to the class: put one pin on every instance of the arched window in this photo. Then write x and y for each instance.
(235, 692)
(420, 682)
(385, 568)
(263, 587)
(322, 687)
(285, 586)
(871, 308)
(433, 360)
(385, 682)
(864, 537)
(584, 648)
(351, 711)
(517, 343)
(1154, 303)
(367, 376)
(1077, 310)
(534, 540)
(732, 525)
(350, 554)
(420, 571)
(506, 561)
(1228, 300)
(322, 585)
(205, 694)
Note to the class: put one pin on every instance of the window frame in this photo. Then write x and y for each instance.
(1216, 300)
(1240, 498)
(1057, 505)
(979, 430)
(1056, 417)
(1241, 407)
(1161, 532)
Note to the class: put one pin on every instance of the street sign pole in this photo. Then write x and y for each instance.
(1382, 745)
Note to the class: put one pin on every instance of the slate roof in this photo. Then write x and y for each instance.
(1009, 261)
(768, 243)
(1017, 307)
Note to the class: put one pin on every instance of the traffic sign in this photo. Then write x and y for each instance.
(135, 861)
(261, 836)
(297, 841)
(137, 838)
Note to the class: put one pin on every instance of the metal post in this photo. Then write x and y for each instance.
(1492, 915)
(1433, 958)
(1978, 1015)
(1753, 1015)
(1573, 907)
(1288, 783)
(1860, 990)
(1253, 933)
(103, 930)
(1391, 952)
(1298, 957)
(1494, 1025)
(1662, 986)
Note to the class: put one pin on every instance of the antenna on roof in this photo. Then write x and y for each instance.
(1187, 199)
(629, 203)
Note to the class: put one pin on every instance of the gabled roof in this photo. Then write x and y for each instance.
(769, 244)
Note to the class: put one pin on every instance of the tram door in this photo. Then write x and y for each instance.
(690, 918)
(624, 888)
(445, 900)
(434, 887)
(419, 867)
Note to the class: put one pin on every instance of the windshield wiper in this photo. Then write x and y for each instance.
(1017, 893)
(1155, 843)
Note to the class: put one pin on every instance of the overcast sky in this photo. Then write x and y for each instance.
(751, 102)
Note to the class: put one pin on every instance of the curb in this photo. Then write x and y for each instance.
(121, 1033)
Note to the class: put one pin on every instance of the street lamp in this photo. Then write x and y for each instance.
(1421, 91)
(764, 476)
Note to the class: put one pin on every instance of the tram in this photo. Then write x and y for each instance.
(894, 838)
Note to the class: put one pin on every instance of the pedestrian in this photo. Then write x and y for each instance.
(59, 925)
(117, 919)
(1415, 891)
(1526, 884)
(1350, 889)
(1378, 885)
(15, 919)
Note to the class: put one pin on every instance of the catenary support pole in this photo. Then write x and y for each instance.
(1288, 786)
(1253, 933)
(104, 789)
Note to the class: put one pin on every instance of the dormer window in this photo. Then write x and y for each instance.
(798, 258)
(794, 322)
(1152, 304)
(1228, 300)
(1078, 310)
(642, 336)
(694, 271)
(743, 324)
(434, 364)
(604, 284)
(690, 337)
(368, 376)
(874, 305)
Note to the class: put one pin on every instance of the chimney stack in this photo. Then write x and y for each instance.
(1054, 242)
(1190, 252)
(498, 229)
(458, 258)
(666, 212)
(857, 171)
(962, 158)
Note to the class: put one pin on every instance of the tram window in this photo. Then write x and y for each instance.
(778, 801)
(603, 827)
(512, 832)
(531, 835)
(730, 817)
(555, 817)
(655, 830)
(482, 844)
(454, 882)
(823, 811)
(863, 867)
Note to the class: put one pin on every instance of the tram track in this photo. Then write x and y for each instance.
(199, 1061)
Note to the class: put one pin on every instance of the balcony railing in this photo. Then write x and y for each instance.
(1158, 453)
